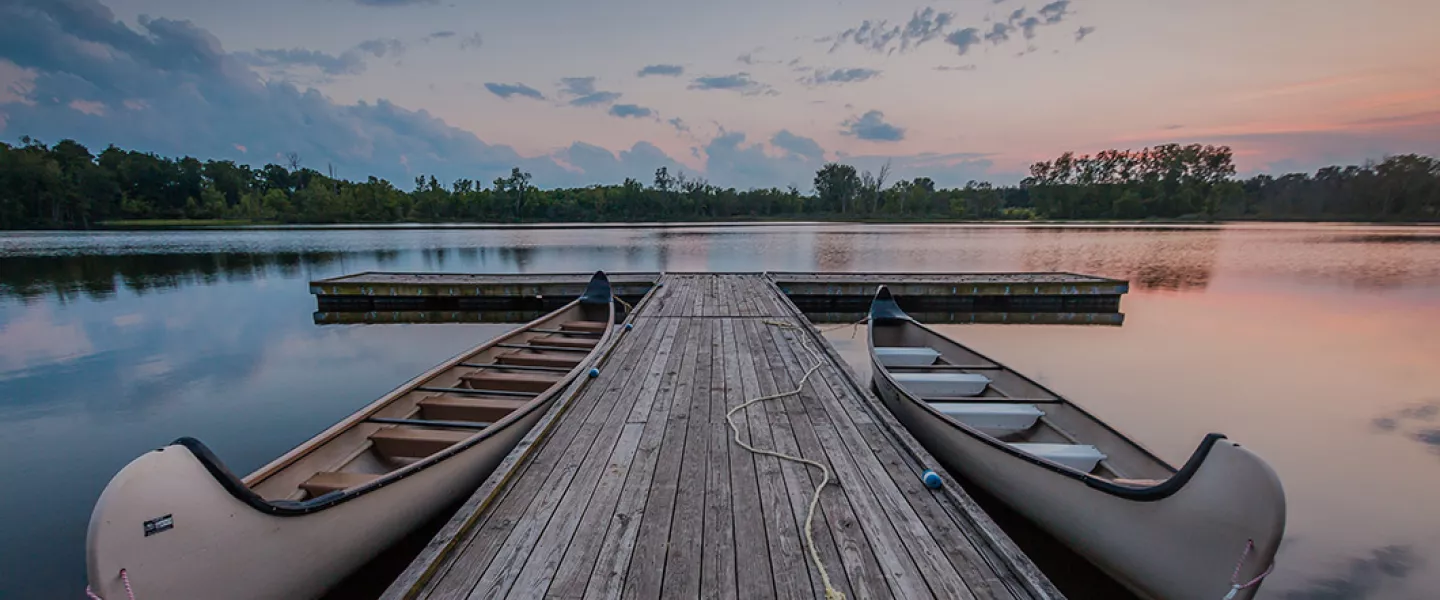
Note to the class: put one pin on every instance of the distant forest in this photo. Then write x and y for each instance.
(67, 186)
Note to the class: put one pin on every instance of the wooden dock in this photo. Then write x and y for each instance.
(632, 487)
(832, 292)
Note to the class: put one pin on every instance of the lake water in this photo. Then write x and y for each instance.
(1318, 346)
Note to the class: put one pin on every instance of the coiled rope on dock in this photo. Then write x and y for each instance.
(830, 592)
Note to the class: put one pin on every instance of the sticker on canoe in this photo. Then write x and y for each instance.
(154, 526)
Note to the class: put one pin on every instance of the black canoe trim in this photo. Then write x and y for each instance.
(598, 291)
(884, 309)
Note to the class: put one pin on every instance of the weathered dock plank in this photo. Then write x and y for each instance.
(638, 491)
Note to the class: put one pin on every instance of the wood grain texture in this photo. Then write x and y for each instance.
(638, 491)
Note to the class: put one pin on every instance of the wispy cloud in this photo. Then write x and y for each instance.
(506, 90)
(630, 110)
(380, 48)
(1055, 11)
(595, 99)
(738, 82)
(964, 39)
(471, 41)
(999, 34)
(582, 92)
(821, 76)
(347, 63)
(955, 68)
(872, 126)
(439, 35)
(661, 70)
(577, 86)
(1082, 33)
(881, 37)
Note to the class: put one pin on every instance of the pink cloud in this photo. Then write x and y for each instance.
(94, 109)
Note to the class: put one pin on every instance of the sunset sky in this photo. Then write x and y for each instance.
(743, 92)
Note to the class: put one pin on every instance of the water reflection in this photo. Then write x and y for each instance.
(1364, 577)
(111, 344)
(98, 277)
(1410, 422)
(1154, 259)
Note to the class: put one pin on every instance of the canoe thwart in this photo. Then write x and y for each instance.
(516, 367)
(429, 423)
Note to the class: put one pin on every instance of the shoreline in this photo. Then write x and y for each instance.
(179, 225)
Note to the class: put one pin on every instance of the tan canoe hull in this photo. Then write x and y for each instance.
(1181, 547)
(221, 548)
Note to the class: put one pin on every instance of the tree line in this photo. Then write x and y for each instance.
(65, 185)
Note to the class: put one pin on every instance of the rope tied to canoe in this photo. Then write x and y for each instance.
(830, 592)
(1235, 585)
(855, 327)
(623, 303)
(124, 578)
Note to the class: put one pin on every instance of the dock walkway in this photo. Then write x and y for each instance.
(632, 487)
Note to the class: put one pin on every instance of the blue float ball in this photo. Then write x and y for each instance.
(932, 479)
(629, 326)
(594, 373)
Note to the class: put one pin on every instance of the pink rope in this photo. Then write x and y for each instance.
(124, 577)
(1235, 585)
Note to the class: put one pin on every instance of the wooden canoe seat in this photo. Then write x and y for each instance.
(585, 326)
(514, 382)
(468, 408)
(539, 359)
(402, 442)
(556, 341)
(325, 482)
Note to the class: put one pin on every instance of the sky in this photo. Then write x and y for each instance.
(744, 93)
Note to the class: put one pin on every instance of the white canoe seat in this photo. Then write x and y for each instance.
(906, 357)
(994, 418)
(942, 385)
(1080, 457)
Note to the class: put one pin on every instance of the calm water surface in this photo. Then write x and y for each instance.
(1317, 346)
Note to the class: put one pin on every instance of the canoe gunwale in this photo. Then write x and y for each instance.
(597, 293)
(885, 311)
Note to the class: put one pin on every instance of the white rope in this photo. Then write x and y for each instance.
(124, 577)
(856, 325)
(830, 592)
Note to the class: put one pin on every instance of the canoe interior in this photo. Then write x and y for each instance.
(483, 388)
(1126, 463)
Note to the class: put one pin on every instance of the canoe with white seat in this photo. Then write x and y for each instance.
(1160, 531)
(943, 385)
(181, 525)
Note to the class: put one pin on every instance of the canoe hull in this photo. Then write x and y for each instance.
(221, 548)
(1183, 546)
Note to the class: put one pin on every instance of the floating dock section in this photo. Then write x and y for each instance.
(631, 485)
(429, 295)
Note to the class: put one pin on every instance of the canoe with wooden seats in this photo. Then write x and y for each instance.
(179, 524)
(1162, 532)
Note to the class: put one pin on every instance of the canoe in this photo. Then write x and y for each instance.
(1162, 532)
(179, 524)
